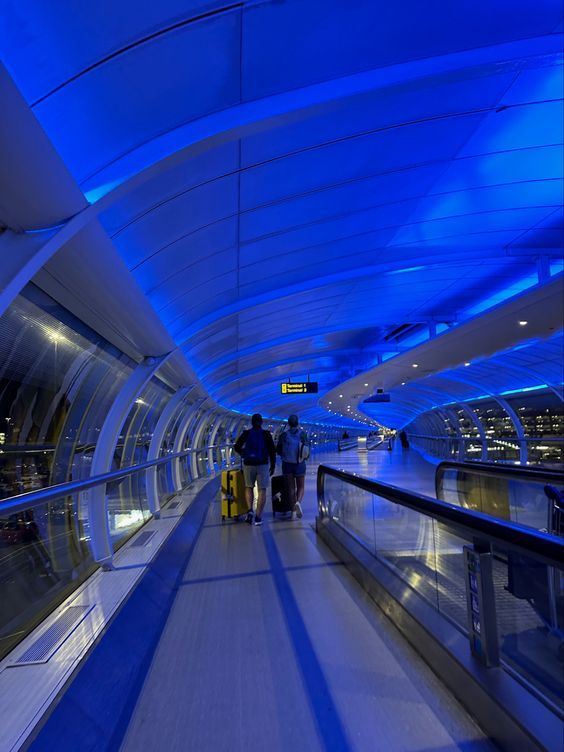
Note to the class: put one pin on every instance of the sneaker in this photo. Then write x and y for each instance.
(298, 510)
(249, 517)
(258, 521)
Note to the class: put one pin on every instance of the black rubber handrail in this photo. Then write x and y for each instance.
(477, 437)
(498, 470)
(470, 524)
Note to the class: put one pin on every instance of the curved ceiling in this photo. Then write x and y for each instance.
(397, 167)
(527, 368)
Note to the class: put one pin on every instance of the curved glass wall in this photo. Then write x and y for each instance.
(502, 443)
(165, 474)
(127, 501)
(538, 435)
(57, 381)
(541, 415)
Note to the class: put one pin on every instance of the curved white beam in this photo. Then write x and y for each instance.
(96, 499)
(155, 447)
(115, 181)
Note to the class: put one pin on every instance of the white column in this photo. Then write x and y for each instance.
(179, 441)
(96, 499)
(155, 446)
(478, 423)
(198, 428)
(523, 449)
(217, 426)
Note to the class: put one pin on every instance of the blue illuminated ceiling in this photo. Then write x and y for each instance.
(520, 370)
(322, 239)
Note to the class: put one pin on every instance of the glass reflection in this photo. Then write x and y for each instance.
(428, 557)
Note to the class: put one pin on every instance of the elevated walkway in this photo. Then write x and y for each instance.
(271, 644)
(267, 643)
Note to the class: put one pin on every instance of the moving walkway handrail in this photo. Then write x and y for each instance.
(526, 541)
(31, 499)
(498, 470)
(477, 437)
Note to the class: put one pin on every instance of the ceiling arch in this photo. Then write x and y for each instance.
(329, 201)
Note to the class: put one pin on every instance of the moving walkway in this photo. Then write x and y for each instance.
(452, 579)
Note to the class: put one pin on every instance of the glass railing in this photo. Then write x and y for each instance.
(46, 536)
(346, 444)
(526, 495)
(538, 451)
(430, 545)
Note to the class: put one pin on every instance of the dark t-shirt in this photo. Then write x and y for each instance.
(254, 439)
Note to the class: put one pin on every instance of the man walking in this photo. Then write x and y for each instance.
(256, 447)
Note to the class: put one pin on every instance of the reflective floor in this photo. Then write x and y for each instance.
(271, 645)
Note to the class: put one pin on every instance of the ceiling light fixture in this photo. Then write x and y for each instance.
(415, 365)
(523, 323)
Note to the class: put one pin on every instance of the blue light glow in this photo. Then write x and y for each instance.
(526, 283)
(525, 389)
(417, 338)
(404, 271)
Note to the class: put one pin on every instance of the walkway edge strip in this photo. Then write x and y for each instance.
(94, 708)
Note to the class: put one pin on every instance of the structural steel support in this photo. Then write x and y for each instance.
(155, 447)
(96, 498)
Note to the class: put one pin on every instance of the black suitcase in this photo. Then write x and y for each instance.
(280, 496)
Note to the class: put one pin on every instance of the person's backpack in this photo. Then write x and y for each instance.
(305, 449)
(255, 451)
(294, 447)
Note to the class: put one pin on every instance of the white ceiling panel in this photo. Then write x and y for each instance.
(310, 227)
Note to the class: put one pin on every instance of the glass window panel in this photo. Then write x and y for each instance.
(451, 585)
(530, 620)
(352, 509)
(404, 539)
(57, 381)
(44, 555)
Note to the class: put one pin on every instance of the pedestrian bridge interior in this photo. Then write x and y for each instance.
(198, 203)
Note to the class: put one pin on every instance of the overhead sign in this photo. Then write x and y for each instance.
(300, 387)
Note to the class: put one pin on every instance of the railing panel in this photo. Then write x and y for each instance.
(425, 541)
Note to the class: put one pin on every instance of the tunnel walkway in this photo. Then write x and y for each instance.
(271, 645)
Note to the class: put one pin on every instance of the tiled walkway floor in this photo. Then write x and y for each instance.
(271, 645)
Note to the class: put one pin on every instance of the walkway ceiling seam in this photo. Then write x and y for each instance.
(337, 185)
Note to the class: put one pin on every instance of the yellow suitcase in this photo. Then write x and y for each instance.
(233, 504)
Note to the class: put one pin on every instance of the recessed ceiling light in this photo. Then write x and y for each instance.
(403, 383)
(467, 364)
(341, 396)
(366, 385)
(523, 323)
